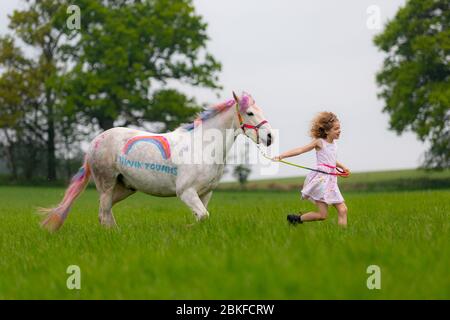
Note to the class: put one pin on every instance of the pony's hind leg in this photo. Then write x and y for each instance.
(105, 215)
(105, 184)
(108, 199)
(121, 192)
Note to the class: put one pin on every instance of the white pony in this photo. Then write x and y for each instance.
(123, 161)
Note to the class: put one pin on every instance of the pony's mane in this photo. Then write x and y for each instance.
(208, 113)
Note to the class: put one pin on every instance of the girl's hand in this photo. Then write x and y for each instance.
(346, 171)
(277, 158)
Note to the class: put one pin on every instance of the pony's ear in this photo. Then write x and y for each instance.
(244, 102)
(235, 97)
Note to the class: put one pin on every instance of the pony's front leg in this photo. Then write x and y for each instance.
(205, 199)
(191, 198)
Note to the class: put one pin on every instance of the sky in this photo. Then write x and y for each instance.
(297, 58)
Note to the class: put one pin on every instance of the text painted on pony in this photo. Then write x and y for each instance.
(147, 166)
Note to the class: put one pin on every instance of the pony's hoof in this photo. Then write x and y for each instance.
(109, 225)
(202, 218)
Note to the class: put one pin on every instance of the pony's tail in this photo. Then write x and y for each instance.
(56, 215)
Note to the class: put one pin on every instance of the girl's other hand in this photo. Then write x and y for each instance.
(277, 158)
(346, 171)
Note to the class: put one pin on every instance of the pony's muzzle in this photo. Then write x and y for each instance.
(266, 137)
(269, 139)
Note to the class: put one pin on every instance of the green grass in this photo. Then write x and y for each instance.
(411, 179)
(245, 251)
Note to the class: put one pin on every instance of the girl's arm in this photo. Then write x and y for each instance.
(297, 151)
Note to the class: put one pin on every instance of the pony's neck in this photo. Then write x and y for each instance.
(227, 123)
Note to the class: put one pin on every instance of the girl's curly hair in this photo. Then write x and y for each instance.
(322, 123)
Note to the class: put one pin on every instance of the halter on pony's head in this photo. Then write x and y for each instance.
(242, 105)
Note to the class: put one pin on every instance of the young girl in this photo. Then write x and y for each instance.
(321, 188)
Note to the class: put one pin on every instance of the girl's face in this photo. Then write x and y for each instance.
(335, 131)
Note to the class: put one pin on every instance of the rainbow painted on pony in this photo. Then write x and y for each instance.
(159, 141)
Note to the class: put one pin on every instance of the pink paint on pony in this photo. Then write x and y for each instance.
(224, 105)
(245, 102)
(99, 139)
(58, 214)
(209, 113)
(229, 103)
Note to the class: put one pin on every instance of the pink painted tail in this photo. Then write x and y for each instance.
(56, 216)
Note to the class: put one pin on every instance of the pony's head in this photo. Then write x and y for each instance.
(252, 120)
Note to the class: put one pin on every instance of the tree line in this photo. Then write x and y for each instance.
(67, 72)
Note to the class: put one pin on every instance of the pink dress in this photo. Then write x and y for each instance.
(319, 186)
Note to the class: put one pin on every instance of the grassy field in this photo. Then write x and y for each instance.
(409, 179)
(245, 251)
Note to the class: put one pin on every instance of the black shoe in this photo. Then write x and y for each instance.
(294, 218)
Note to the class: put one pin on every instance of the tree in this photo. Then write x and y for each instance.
(241, 172)
(20, 118)
(114, 68)
(127, 52)
(414, 80)
(41, 28)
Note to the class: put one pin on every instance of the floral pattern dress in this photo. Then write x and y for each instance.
(319, 186)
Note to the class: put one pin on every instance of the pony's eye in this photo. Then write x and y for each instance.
(250, 114)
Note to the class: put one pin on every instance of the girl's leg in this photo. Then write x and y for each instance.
(321, 214)
(342, 213)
